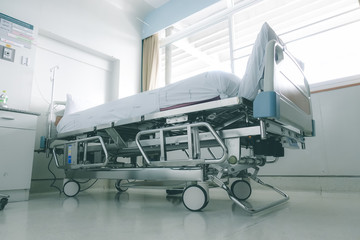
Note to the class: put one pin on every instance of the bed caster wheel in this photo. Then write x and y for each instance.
(71, 188)
(241, 190)
(195, 198)
(119, 185)
(3, 203)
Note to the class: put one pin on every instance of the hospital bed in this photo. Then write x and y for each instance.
(218, 140)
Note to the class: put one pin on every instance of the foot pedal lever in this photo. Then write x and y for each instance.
(251, 210)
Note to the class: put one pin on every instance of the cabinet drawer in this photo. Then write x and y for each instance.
(17, 120)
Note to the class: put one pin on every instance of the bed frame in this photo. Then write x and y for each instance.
(221, 143)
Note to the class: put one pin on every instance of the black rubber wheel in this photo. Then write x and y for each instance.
(195, 198)
(241, 189)
(3, 203)
(71, 188)
(119, 187)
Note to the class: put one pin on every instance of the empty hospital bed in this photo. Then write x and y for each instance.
(190, 137)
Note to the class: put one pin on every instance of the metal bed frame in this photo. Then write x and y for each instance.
(194, 147)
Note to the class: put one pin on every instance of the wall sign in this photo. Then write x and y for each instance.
(16, 32)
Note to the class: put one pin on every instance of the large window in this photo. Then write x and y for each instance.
(321, 33)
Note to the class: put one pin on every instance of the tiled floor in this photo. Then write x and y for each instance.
(151, 214)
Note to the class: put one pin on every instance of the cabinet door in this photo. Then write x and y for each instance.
(16, 158)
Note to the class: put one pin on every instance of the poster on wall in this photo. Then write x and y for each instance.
(16, 32)
(17, 58)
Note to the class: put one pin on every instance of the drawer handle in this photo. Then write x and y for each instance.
(8, 118)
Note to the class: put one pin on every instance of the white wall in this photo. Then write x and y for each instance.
(100, 25)
(335, 149)
(108, 27)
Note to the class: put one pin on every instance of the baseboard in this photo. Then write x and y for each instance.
(47, 185)
(16, 195)
(314, 183)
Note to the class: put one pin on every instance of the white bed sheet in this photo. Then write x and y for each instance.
(202, 87)
(250, 82)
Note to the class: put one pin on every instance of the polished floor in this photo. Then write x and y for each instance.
(151, 214)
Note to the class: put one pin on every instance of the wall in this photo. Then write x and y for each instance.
(334, 151)
(110, 28)
(99, 25)
(18, 71)
(330, 162)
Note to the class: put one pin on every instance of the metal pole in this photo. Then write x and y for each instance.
(52, 80)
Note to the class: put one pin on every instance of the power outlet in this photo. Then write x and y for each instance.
(8, 54)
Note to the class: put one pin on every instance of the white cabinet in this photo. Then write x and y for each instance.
(17, 140)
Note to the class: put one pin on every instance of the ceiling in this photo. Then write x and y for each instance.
(139, 8)
(156, 3)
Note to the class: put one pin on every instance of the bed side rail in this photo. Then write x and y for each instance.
(286, 93)
(193, 142)
(76, 155)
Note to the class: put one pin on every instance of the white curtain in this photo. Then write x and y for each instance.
(150, 62)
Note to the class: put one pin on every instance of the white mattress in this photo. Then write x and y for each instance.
(202, 87)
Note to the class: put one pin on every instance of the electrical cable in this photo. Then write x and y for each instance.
(54, 176)
(89, 186)
(84, 181)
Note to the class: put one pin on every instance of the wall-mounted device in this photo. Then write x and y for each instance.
(7, 53)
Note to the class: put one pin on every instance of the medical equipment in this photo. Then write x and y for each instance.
(52, 79)
(221, 142)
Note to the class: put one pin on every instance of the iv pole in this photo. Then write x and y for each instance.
(52, 80)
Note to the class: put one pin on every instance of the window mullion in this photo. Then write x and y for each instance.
(231, 41)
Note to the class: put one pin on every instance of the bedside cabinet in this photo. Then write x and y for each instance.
(17, 141)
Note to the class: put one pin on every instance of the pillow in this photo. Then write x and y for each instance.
(71, 105)
(75, 104)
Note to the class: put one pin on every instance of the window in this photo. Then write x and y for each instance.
(202, 51)
(330, 55)
(322, 33)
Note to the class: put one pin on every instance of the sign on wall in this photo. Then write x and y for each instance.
(16, 32)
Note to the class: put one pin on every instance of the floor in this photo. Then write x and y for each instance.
(151, 214)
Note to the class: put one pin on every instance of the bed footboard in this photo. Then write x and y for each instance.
(286, 94)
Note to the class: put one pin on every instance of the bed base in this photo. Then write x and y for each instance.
(210, 157)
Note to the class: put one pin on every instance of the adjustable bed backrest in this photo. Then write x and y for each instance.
(286, 94)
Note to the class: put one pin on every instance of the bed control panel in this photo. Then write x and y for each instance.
(71, 150)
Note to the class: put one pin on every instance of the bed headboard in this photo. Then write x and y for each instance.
(286, 93)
